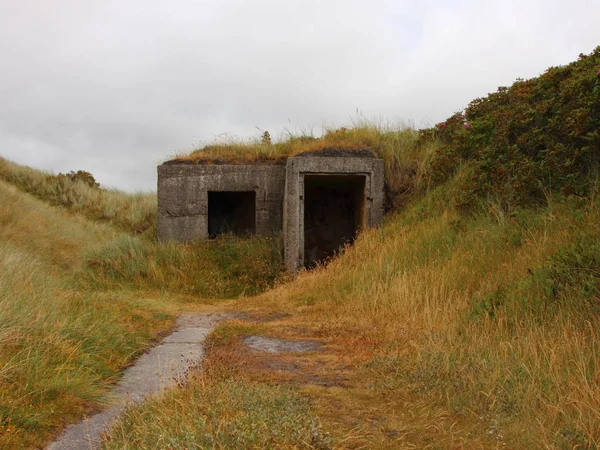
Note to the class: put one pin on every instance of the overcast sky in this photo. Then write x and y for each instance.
(117, 87)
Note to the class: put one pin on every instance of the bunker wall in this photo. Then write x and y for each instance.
(183, 211)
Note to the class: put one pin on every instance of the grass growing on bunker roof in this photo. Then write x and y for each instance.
(402, 149)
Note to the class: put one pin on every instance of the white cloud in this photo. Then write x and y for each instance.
(117, 87)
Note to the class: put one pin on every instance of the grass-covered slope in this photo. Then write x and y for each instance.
(493, 318)
(131, 256)
(59, 345)
(471, 319)
(82, 293)
(134, 213)
(447, 331)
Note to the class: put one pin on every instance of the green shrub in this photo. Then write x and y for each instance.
(81, 175)
(528, 140)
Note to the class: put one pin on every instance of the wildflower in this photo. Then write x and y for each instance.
(442, 126)
(467, 125)
(598, 73)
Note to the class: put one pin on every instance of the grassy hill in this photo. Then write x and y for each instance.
(60, 344)
(84, 289)
(469, 320)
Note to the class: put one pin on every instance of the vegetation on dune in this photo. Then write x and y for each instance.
(470, 320)
(79, 299)
(523, 142)
(59, 345)
(225, 413)
(78, 193)
(494, 318)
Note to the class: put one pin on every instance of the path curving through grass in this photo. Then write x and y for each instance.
(159, 368)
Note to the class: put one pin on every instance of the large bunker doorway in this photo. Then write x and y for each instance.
(334, 213)
(231, 212)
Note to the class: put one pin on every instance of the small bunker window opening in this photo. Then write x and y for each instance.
(231, 212)
(334, 213)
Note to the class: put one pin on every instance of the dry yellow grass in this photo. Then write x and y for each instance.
(462, 315)
(80, 298)
(59, 345)
(398, 146)
(443, 332)
(134, 213)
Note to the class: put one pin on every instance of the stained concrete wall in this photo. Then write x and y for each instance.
(296, 169)
(183, 197)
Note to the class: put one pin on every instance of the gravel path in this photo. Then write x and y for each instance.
(155, 370)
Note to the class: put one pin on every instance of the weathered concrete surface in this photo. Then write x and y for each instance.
(277, 346)
(299, 167)
(155, 370)
(183, 197)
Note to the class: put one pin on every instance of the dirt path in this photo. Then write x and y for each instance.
(155, 370)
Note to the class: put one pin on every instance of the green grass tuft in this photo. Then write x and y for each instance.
(224, 414)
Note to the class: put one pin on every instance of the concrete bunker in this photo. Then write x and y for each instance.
(231, 212)
(317, 202)
(334, 213)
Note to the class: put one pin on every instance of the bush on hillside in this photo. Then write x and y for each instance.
(81, 175)
(525, 141)
(79, 193)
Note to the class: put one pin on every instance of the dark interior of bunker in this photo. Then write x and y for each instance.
(231, 212)
(334, 213)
